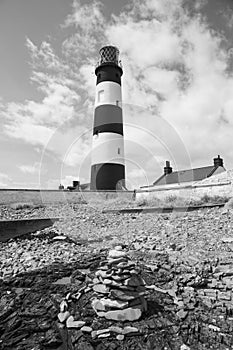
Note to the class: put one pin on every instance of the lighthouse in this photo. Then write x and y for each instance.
(107, 164)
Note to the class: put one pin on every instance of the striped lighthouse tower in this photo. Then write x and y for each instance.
(107, 167)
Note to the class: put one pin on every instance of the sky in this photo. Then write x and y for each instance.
(177, 86)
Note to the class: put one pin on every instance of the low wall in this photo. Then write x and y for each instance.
(188, 192)
(9, 196)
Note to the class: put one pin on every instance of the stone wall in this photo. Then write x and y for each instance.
(9, 196)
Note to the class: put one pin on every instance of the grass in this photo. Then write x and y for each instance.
(29, 205)
(176, 201)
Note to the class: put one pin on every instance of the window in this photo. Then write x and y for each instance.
(119, 150)
(101, 96)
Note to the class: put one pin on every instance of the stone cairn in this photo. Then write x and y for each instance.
(118, 288)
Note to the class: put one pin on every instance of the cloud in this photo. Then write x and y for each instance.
(176, 65)
(5, 180)
(30, 169)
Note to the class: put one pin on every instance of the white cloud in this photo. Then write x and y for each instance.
(5, 180)
(30, 169)
(175, 65)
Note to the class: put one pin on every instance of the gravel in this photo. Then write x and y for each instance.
(186, 258)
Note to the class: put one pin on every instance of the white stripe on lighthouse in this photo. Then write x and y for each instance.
(108, 92)
(108, 147)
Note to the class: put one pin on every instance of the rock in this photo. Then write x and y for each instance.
(63, 306)
(129, 329)
(86, 329)
(129, 314)
(102, 331)
(118, 247)
(116, 329)
(103, 274)
(120, 277)
(115, 254)
(214, 328)
(184, 347)
(63, 281)
(120, 337)
(97, 305)
(105, 335)
(70, 323)
(107, 281)
(125, 295)
(109, 303)
(104, 304)
(101, 288)
(134, 281)
(182, 314)
(94, 334)
(128, 264)
(116, 261)
(62, 316)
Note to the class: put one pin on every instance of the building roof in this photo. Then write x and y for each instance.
(189, 175)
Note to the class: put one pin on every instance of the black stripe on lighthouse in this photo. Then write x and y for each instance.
(108, 118)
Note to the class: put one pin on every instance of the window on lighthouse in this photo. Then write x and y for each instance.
(119, 150)
(101, 96)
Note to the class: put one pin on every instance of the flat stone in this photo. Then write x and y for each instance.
(182, 314)
(128, 264)
(104, 304)
(124, 295)
(184, 347)
(129, 329)
(95, 280)
(118, 247)
(62, 316)
(114, 303)
(120, 277)
(71, 323)
(107, 281)
(129, 314)
(120, 337)
(105, 335)
(86, 329)
(94, 334)
(97, 305)
(116, 329)
(103, 274)
(100, 288)
(115, 254)
(139, 302)
(68, 297)
(102, 331)
(63, 281)
(116, 261)
(134, 281)
(63, 306)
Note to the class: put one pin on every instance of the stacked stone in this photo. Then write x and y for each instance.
(118, 288)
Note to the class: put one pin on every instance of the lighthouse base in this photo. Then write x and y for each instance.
(107, 176)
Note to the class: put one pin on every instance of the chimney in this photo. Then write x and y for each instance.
(218, 161)
(76, 184)
(167, 168)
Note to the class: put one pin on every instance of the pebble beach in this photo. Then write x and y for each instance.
(184, 268)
